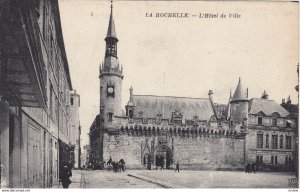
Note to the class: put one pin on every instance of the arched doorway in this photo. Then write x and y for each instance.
(163, 156)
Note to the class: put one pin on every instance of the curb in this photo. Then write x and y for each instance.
(148, 180)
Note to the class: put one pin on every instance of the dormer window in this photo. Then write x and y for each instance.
(130, 114)
(288, 123)
(274, 121)
(259, 120)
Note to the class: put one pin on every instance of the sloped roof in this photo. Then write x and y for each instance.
(240, 93)
(268, 107)
(111, 31)
(189, 107)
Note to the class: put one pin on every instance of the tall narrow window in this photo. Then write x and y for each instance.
(275, 159)
(288, 142)
(267, 140)
(281, 142)
(259, 120)
(72, 101)
(274, 141)
(259, 159)
(272, 159)
(259, 140)
(110, 116)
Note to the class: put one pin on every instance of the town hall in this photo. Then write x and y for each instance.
(154, 131)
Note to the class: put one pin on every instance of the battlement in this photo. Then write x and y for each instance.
(154, 126)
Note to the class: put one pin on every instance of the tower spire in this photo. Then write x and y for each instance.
(111, 31)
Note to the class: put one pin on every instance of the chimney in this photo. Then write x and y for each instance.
(210, 93)
(264, 95)
(131, 93)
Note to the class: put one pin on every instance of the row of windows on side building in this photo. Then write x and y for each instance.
(288, 141)
(274, 122)
(260, 160)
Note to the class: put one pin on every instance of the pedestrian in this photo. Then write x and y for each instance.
(253, 167)
(248, 167)
(109, 161)
(162, 165)
(177, 167)
(65, 176)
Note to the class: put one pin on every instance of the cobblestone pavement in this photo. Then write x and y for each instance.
(184, 179)
(219, 179)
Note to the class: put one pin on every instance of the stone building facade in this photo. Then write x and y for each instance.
(75, 130)
(198, 133)
(34, 94)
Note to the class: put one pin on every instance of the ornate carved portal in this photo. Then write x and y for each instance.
(163, 157)
(157, 153)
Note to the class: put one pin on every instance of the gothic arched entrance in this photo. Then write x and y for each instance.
(163, 156)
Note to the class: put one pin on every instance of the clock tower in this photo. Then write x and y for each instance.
(111, 76)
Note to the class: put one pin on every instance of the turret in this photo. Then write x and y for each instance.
(239, 104)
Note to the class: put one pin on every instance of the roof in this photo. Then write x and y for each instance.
(240, 94)
(268, 107)
(111, 31)
(152, 105)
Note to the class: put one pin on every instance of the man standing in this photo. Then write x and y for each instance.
(177, 167)
(109, 161)
(65, 176)
(162, 165)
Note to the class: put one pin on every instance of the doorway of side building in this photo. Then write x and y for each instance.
(163, 157)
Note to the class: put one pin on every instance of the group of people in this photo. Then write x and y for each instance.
(250, 168)
(117, 166)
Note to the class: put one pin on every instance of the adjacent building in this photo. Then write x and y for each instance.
(75, 130)
(35, 85)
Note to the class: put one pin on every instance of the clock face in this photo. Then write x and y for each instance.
(110, 90)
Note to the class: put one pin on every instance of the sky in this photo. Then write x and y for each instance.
(183, 57)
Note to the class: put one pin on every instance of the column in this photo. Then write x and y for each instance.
(4, 143)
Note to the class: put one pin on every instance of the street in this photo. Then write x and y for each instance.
(184, 179)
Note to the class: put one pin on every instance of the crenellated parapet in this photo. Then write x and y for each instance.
(164, 126)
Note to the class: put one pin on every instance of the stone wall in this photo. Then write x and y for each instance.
(201, 152)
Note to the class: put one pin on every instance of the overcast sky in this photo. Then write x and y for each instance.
(183, 56)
